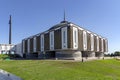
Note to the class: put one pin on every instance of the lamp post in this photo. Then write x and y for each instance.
(82, 58)
(10, 25)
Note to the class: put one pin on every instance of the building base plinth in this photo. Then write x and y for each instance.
(71, 55)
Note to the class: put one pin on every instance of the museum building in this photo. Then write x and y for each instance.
(65, 40)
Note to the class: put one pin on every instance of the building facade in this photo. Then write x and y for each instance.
(65, 41)
(18, 49)
(6, 48)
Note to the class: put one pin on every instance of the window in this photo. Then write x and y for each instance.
(102, 44)
(28, 45)
(64, 37)
(106, 45)
(51, 34)
(34, 44)
(97, 43)
(42, 42)
(75, 36)
(84, 40)
(92, 42)
(51, 39)
(23, 46)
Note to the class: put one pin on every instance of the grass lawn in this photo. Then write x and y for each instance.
(63, 70)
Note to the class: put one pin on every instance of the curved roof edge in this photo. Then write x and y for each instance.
(61, 24)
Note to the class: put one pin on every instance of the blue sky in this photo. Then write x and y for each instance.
(30, 17)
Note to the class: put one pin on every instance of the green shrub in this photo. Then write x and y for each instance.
(4, 56)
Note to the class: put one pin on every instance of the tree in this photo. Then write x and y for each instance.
(116, 53)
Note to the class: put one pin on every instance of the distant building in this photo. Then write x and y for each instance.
(13, 49)
(6, 48)
(65, 40)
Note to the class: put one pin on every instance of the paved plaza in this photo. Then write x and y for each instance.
(8, 76)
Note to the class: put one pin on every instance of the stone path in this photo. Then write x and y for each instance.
(8, 76)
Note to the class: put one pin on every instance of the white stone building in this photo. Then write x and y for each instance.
(6, 48)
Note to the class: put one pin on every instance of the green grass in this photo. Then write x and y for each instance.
(63, 70)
